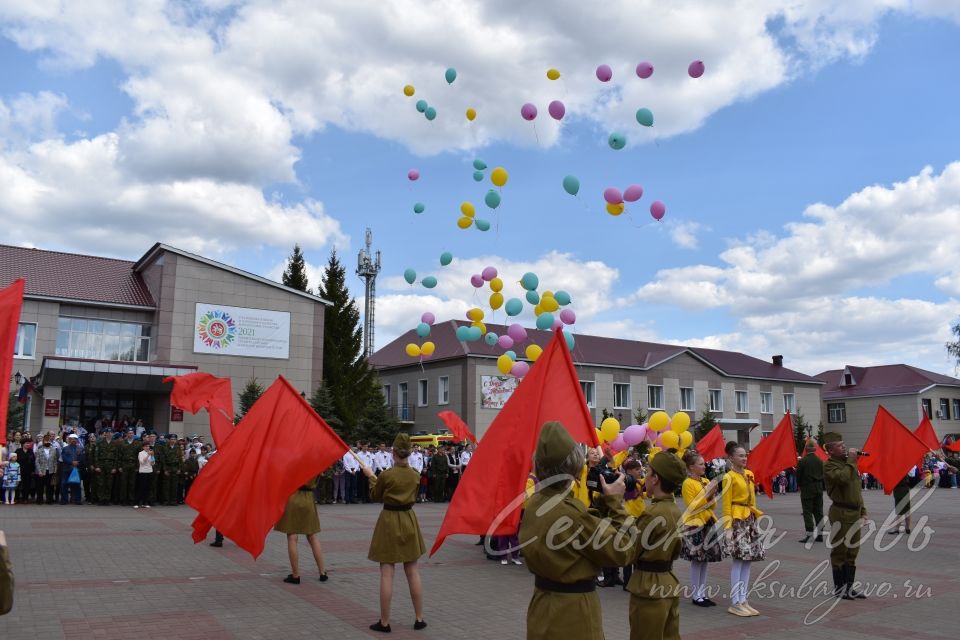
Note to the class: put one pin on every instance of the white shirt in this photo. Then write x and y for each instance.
(416, 461)
(384, 460)
(465, 458)
(201, 460)
(350, 463)
(146, 462)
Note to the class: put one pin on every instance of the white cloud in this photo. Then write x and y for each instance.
(30, 117)
(684, 233)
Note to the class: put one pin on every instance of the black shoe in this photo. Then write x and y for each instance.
(700, 603)
(324, 577)
(378, 626)
(710, 603)
(850, 572)
(216, 544)
(419, 624)
(906, 530)
(819, 538)
(840, 584)
(291, 579)
(805, 540)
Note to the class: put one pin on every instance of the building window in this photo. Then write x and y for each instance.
(687, 401)
(766, 402)
(847, 379)
(716, 399)
(386, 394)
(26, 340)
(836, 412)
(103, 340)
(927, 405)
(764, 434)
(944, 409)
(956, 409)
(403, 411)
(589, 392)
(654, 396)
(742, 404)
(788, 404)
(422, 393)
(621, 395)
(443, 390)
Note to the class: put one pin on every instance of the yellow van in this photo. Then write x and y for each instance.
(425, 439)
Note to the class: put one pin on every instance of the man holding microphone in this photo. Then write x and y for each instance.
(846, 514)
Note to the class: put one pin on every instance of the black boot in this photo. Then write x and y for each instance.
(850, 573)
(840, 583)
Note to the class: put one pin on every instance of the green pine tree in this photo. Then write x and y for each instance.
(639, 416)
(704, 425)
(953, 348)
(345, 370)
(820, 433)
(376, 423)
(801, 430)
(322, 402)
(14, 414)
(295, 275)
(250, 394)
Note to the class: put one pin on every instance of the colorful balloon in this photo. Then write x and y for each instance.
(537, 310)
(609, 430)
(553, 74)
(496, 300)
(408, 90)
(481, 326)
(418, 207)
(617, 141)
(644, 70)
(658, 210)
(429, 282)
(604, 73)
(422, 105)
(464, 222)
(492, 199)
(511, 355)
(658, 421)
(533, 352)
(467, 209)
(450, 75)
(549, 304)
(669, 440)
(478, 176)
(496, 284)
(634, 434)
(563, 298)
(488, 273)
(476, 280)
(680, 422)
(446, 258)
(519, 369)
(430, 113)
(428, 317)
(567, 316)
(475, 314)
(505, 342)
(556, 110)
(409, 275)
(571, 185)
(482, 225)
(517, 332)
(545, 321)
(645, 117)
(528, 111)
(423, 329)
(427, 349)
(618, 444)
(474, 334)
(696, 69)
(686, 439)
(413, 350)
(471, 114)
(513, 307)
(413, 175)
(499, 176)
(529, 281)
(533, 297)
(479, 164)
(504, 364)
(568, 336)
(612, 195)
(633, 193)
(462, 333)
(615, 209)
(491, 339)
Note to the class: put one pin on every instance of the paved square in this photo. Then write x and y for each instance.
(115, 572)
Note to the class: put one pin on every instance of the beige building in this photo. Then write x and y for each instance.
(852, 395)
(97, 336)
(748, 396)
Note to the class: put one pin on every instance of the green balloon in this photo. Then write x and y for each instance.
(430, 113)
(492, 199)
(422, 105)
(479, 164)
(645, 117)
(446, 258)
(571, 185)
(530, 281)
(418, 208)
(429, 282)
(562, 298)
(409, 275)
(478, 176)
(617, 141)
(450, 75)
(533, 297)
(482, 225)
(513, 307)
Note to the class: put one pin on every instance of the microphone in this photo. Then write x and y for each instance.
(863, 454)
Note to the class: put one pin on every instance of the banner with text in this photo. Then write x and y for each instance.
(236, 331)
(496, 390)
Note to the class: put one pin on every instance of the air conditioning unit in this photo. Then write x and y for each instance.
(939, 415)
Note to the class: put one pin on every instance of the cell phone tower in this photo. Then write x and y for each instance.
(368, 267)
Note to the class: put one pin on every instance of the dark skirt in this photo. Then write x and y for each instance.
(702, 544)
(901, 499)
(746, 543)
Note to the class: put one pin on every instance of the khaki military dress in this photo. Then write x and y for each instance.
(847, 510)
(553, 614)
(654, 588)
(300, 515)
(396, 537)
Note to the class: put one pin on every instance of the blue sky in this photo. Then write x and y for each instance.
(235, 146)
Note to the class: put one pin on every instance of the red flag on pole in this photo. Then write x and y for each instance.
(280, 444)
(926, 433)
(498, 470)
(776, 452)
(11, 300)
(195, 391)
(953, 446)
(712, 445)
(893, 449)
(459, 428)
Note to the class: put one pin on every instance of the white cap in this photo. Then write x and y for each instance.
(73, 435)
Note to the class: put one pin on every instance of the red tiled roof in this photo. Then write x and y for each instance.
(884, 380)
(596, 350)
(72, 276)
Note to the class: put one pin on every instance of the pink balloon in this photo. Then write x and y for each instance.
(613, 195)
(659, 440)
(651, 435)
(696, 69)
(413, 174)
(557, 323)
(567, 316)
(519, 369)
(604, 73)
(618, 444)
(517, 332)
(657, 210)
(428, 317)
(505, 342)
(476, 280)
(556, 110)
(633, 193)
(644, 70)
(528, 111)
(489, 273)
(634, 435)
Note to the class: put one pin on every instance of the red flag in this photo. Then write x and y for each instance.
(498, 470)
(11, 299)
(893, 449)
(457, 426)
(712, 445)
(776, 452)
(280, 444)
(953, 446)
(927, 434)
(196, 391)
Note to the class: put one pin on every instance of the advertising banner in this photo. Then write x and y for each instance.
(236, 331)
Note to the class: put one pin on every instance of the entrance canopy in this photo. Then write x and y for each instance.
(109, 374)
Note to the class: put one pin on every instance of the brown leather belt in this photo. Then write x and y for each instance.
(546, 584)
(660, 566)
(397, 507)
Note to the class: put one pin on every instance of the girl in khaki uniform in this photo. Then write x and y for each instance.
(397, 537)
(300, 517)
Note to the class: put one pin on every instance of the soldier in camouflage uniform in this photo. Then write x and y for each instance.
(104, 462)
(117, 445)
(170, 469)
(129, 448)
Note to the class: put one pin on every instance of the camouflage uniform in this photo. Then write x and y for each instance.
(170, 469)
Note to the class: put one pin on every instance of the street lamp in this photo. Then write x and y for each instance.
(18, 378)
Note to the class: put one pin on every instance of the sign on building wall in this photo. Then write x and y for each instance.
(51, 408)
(235, 331)
(496, 390)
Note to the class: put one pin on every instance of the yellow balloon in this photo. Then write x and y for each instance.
(409, 90)
(475, 314)
(428, 348)
(609, 430)
(553, 74)
(537, 310)
(467, 209)
(496, 300)
(653, 451)
(686, 439)
(670, 440)
(614, 209)
(680, 453)
(547, 294)
(598, 435)
(658, 421)
(464, 222)
(499, 176)
(479, 325)
(496, 284)
(549, 304)
(471, 114)
(504, 363)
(533, 352)
(413, 350)
(680, 422)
